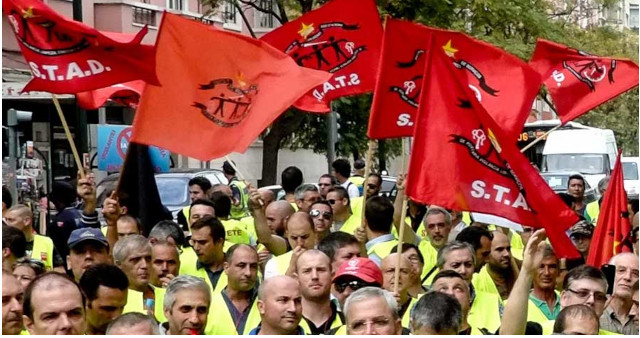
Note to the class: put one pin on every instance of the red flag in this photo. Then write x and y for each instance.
(462, 160)
(66, 56)
(341, 37)
(505, 85)
(579, 82)
(213, 102)
(126, 94)
(613, 229)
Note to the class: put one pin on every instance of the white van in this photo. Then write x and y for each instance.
(631, 174)
(591, 152)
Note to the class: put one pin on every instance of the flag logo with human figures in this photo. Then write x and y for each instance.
(226, 101)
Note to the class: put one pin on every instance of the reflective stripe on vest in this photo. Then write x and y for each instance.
(242, 209)
(220, 322)
(43, 250)
(383, 249)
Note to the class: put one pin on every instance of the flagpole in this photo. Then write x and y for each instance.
(540, 138)
(403, 215)
(69, 138)
(240, 176)
(367, 170)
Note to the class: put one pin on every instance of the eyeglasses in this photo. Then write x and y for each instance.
(599, 297)
(325, 214)
(354, 285)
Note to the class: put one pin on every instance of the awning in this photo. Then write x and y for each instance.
(12, 91)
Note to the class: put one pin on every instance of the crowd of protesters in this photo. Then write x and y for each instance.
(241, 261)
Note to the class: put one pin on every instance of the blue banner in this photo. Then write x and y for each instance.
(113, 141)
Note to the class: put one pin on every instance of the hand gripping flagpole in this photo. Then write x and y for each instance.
(69, 138)
(403, 215)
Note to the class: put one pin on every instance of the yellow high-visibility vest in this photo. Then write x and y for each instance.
(220, 322)
(43, 250)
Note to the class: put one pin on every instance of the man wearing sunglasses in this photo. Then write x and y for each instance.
(372, 188)
(354, 274)
(582, 285)
(322, 215)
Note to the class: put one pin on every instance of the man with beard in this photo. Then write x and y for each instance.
(234, 310)
(280, 307)
(105, 287)
(500, 272)
(319, 313)
(438, 226)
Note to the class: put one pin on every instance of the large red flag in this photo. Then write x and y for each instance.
(341, 37)
(215, 101)
(505, 85)
(613, 229)
(463, 160)
(579, 82)
(66, 56)
(126, 94)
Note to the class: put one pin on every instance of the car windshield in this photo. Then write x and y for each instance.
(583, 163)
(630, 170)
(556, 182)
(173, 190)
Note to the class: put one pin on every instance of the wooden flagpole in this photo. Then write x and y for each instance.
(69, 138)
(403, 215)
(367, 170)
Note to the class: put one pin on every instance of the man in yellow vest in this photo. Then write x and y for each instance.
(319, 313)
(301, 236)
(132, 255)
(186, 306)
(198, 187)
(127, 225)
(544, 300)
(437, 313)
(269, 224)
(500, 272)
(165, 263)
(105, 287)
(38, 247)
(480, 239)
(236, 230)
(343, 217)
(593, 209)
(239, 192)
(170, 232)
(358, 175)
(372, 187)
(234, 310)
(322, 215)
(412, 253)
(280, 307)
(377, 225)
(582, 285)
(208, 240)
(306, 195)
(12, 293)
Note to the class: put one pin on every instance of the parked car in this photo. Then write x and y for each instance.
(559, 182)
(630, 170)
(172, 186)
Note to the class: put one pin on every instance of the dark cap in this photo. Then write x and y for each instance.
(227, 168)
(86, 234)
(582, 228)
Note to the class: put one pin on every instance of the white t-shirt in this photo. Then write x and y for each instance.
(352, 189)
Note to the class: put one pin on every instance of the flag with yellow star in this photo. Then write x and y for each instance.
(341, 37)
(67, 57)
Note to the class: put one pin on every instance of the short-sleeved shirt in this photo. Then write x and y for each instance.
(352, 189)
(610, 322)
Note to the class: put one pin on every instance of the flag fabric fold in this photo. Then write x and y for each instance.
(126, 94)
(67, 57)
(463, 160)
(216, 100)
(343, 38)
(491, 73)
(613, 230)
(579, 82)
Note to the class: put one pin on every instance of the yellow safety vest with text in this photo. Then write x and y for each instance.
(43, 250)
(236, 231)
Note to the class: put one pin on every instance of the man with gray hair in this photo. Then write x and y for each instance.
(372, 311)
(437, 226)
(134, 324)
(306, 195)
(436, 313)
(186, 306)
(132, 254)
(616, 317)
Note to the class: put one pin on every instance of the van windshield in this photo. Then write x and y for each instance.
(630, 170)
(582, 163)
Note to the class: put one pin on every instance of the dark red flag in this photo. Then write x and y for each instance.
(126, 94)
(463, 160)
(613, 229)
(66, 56)
(342, 37)
(505, 85)
(579, 82)
(215, 101)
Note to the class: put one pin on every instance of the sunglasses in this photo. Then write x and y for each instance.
(325, 214)
(354, 285)
(332, 202)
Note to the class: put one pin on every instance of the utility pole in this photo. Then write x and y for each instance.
(332, 137)
(81, 114)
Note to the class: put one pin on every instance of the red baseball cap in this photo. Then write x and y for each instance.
(362, 268)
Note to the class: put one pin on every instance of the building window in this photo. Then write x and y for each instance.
(633, 17)
(229, 13)
(264, 20)
(144, 16)
(205, 21)
(175, 4)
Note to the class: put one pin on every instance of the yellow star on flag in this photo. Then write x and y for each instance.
(240, 80)
(306, 30)
(449, 50)
(28, 13)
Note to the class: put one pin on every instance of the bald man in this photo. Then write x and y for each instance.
(267, 195)
(388, 267)
(500, 272)
(301, 236)
(280, 307)
(277, 213)
(269, 222)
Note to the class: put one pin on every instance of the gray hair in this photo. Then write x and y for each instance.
(130, 319)
(438, 311)
(453, 246)
(603, 183)
(367, 293)
(435, 210)
(183, 282)
(125, 246)
(301, 190)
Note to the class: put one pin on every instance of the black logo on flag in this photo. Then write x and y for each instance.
(225, 103)
(410, 90)
(590, 72)
(325, 49)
